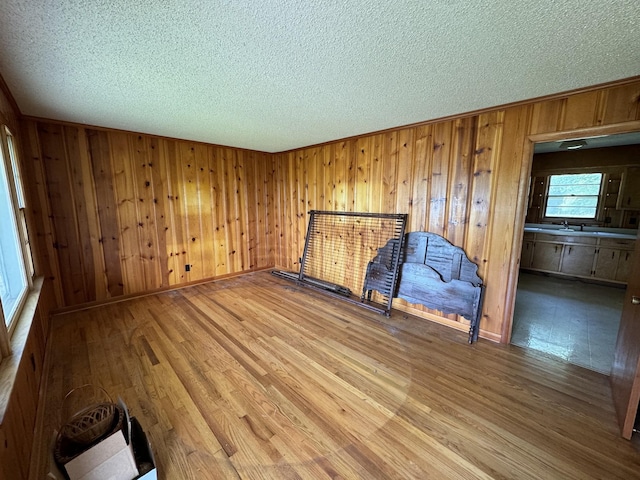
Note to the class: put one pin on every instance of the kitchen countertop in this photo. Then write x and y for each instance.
(621, 233)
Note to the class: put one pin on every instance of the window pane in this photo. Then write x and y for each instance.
(13, 280)
(571, 212)
(576, 179)
(20, 214)
(574, 189)
(573, 195)
(572, 201)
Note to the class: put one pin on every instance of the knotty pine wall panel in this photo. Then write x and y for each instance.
(619, 104)
(62, 197)
(438, 171)
(122, 213)
(18, 420)
(17, 425)
(106, 247)
(460, 178)
(219, 213)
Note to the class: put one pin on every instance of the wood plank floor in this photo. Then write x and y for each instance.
(254, 377)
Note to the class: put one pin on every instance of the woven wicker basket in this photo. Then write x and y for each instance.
(87, 416)
(66, 449)
(90, 424)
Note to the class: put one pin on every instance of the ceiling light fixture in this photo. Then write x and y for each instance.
(573, 144)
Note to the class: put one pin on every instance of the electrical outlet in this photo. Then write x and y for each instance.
(187, 268)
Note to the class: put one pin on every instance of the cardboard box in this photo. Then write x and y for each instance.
(109, 459)
(124, 455)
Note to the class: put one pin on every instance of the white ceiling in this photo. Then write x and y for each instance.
(273, 75)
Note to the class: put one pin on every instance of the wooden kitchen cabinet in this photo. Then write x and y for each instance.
(578, 260)
(527, 250)
(607, 263)
(624, 265)
(597, 258)
(536, 199)
(619, 254)
(629, 197)
(546, 256)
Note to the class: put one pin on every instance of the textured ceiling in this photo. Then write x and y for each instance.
(275, 75)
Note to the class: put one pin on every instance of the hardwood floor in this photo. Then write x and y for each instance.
(254, 377)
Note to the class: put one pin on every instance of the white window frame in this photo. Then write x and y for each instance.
(16, 193)
(599, 201)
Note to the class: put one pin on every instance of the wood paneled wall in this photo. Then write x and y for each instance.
(8, 114)
(461, 178)
(18, 420)
(17, 428)
(123, 213)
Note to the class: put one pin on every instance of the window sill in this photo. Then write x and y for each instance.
(10, 365)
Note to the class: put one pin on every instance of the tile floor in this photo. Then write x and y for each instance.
(574, 320)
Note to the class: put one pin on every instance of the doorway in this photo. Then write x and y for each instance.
(564, 305)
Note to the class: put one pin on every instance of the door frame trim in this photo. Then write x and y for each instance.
(523, 193)
(625, 400)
